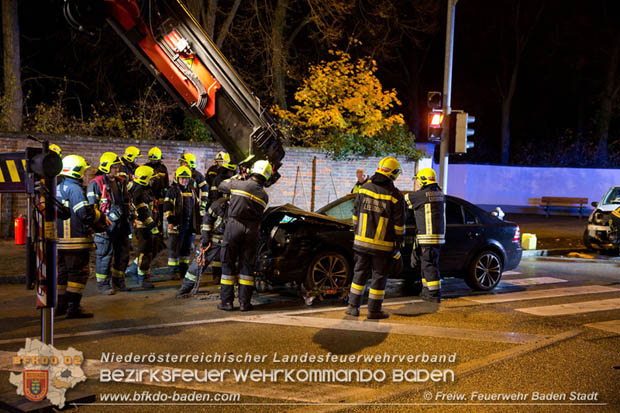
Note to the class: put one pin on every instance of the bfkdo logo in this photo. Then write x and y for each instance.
(36, 384)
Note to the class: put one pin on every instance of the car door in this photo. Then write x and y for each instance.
(464, 234)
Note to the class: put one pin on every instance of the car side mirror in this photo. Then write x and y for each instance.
(594, 204)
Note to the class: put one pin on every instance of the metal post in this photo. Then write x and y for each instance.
(49, 257)
(447, 92)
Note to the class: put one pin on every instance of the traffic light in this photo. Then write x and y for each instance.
(460, 132)
(435, 126)
(433, 100)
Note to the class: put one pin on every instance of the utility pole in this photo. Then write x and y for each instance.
(447, 92)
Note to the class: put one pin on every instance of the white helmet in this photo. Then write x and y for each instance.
(262, 168)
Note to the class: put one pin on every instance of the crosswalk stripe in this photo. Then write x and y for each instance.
(544, 293)
(534, 281)
(611, 326)
(511, 273)
(573, 308)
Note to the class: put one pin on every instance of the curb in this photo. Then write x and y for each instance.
(551, 252)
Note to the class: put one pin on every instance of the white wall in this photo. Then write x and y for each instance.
(522, 187)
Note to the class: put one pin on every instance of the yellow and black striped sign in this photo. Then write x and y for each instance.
(13, 172)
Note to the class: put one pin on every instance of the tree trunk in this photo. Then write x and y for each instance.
(278, 57)
(506, 107)
(12, 67)
(225, 29)
(605, 112)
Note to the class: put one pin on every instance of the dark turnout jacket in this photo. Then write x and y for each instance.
(378, 217)
(248, 200)
(429, 205)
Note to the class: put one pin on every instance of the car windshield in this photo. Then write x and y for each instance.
(612, 197)
(343, 210)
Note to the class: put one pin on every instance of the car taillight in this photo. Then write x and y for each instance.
(517, 237)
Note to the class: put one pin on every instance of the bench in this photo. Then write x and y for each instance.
(558, 201)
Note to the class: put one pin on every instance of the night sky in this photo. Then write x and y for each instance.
(565, 69)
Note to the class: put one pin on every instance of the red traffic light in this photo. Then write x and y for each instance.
(435, 120)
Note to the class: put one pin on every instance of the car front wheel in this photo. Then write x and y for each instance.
(329, 273)
(485, 271)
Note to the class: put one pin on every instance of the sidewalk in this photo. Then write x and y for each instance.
(555, 232)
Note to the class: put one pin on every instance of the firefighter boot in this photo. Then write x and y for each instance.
(119, 284)
(353, 311)
(183, 266)
(186, 288)
(227, 295)
(144, 283)
(105, 287)
(61, 306)
(245, 297)
(73, 307)
(374, 310)
(430, 296)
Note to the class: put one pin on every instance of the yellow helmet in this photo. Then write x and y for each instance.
(74, 166)
(182, 172)
(262, 168)
(189, 159)
(389, 167)
(131, 153)
(229, 166)
(143, 175)
(107, 160)
(222, 157)
(56, 148)
(155, 154)
(426, 176)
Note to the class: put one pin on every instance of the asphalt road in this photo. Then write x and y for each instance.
(551, 329)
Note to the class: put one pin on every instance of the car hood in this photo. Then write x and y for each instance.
(607, 207)
(295, 212)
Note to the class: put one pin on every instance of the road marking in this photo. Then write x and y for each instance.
(394, 328)
(511, 273)
(573, 308)
(533, 281)
(612, 326)
(546, 293)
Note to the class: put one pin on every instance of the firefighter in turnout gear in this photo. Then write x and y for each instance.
(213, 169)
(107, 193)
(181, 211)
(128, 163)
(379, 223)
(225, 169)
(75, 238)
(55, 148)
(248, 200)
(159, 186)
(428, 204)
(198, 180)
(212, 235)
(145, 228)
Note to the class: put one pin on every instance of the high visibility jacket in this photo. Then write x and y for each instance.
(378, 217)
(161, 180)
(127, 169)
(214, 221)
(105, 191)
(248, 199)
(200, 185)
(75, 233)
(358, 185)
(180, 202)
(143, 207)
(429, 205)
(222, 175)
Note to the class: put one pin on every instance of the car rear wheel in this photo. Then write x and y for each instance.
(485, 271)
(329, 273)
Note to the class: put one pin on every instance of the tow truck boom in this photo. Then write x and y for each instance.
(183, 58)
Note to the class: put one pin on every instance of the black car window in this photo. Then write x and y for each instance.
(470, 218)
(343, 210)
(453, 213)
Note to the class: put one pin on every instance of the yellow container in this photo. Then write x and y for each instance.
(528, 241)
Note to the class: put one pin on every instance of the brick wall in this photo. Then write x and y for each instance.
(333, 178)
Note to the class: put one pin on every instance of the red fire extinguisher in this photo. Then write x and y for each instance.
(20, 230)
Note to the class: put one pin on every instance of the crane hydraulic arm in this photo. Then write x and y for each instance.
(172, 45)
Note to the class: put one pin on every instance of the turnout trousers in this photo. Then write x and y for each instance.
(180, 243)
(202, 261)
(240, 244)
(73, 273)
(112, 251)
(143, 240)
(365, 264)
(431, 282)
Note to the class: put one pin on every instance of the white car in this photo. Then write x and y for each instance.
(598, 235)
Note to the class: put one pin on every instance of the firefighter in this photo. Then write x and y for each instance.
(227, 171)
(56, 148)
(379, 221)
(181, 210)
(75, 238)
(145, 228)
(248, 200)
(428, 204)
(128, 163)
(213, 169)
(216, 175)
(198, 180)
(361, 180)
(107, 193)
(159, 185)
(212, 235)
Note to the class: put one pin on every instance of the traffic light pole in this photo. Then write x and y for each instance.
(447, 92)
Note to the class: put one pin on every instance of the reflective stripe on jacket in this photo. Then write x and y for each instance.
(76, 232)
(429, 205)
